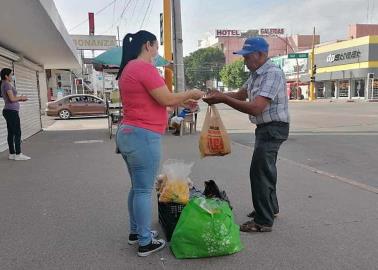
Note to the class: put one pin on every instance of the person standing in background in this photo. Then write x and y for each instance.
(11, 114)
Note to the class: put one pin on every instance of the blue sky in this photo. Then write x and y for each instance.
(331, 17)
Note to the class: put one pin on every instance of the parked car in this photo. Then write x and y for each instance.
(76, 105)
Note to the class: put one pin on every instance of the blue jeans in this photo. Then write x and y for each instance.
(141, 150)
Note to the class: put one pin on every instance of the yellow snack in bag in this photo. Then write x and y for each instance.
(176, 191)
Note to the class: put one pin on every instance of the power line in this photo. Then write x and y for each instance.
(127, 19)
(372, 12)
(120, 17)
(132, 6)
(133, 12)
(149, 14)
(114, 6)
(124, 18)
(98, 12)
(145, 15)
(101, 10)
(141, 12)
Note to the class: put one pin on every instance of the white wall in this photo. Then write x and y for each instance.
(42, 89)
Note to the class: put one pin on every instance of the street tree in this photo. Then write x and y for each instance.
(233, 75)
(203, 65)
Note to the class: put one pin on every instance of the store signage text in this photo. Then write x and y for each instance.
(83, 42)
(272, 31)
(343, 56)
(227, 33)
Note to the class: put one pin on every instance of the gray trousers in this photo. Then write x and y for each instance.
(263, 171)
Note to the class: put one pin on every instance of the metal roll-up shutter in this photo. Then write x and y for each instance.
(4, 63)
(26, 84)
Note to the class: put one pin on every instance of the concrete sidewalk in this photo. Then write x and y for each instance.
(66, 209)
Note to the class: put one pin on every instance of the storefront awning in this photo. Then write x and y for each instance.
(34, 30)
(113, 57)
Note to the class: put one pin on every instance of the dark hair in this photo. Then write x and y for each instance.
(132, 47)
(4, 72)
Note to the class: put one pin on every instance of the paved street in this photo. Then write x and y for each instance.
(338, 138)
(66, 208)
(63, 198)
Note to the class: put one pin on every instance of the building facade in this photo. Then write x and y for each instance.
(31, 42)
(229, 41)
(348, 69)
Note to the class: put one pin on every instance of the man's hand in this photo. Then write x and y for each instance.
(214, 97)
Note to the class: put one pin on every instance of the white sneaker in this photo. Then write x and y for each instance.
(12, 156)
(21, 157)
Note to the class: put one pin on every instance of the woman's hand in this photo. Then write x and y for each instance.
(196, 94)
(190, 104)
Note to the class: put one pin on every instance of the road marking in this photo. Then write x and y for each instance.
(305, 132)
(88, 141)
(330, 175)
(333, 176)
(333, 133)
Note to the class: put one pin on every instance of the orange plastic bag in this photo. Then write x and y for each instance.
(214, 140)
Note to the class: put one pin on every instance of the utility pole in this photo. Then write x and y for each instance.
(119, 41)
(312, 81)
(297, 93)
(177, 47)
(167, 28)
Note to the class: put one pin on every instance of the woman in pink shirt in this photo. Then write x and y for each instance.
(145, 99)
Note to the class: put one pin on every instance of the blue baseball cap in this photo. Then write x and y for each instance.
(251, 45)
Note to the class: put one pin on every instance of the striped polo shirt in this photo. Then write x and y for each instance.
(269, 81)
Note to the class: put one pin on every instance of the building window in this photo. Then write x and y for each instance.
(320, 90)
(375, 88)
(343, 89)
(359, 88)
(333, 89)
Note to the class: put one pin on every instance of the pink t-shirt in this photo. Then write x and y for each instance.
(140, 109)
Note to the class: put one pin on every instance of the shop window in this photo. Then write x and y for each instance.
(320, 90)
(359, 88)
(375, 88)
(333, 89)
(343, 89)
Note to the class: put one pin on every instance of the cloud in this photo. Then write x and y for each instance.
(331, 18)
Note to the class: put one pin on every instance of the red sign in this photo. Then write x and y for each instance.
(91, 23)
(215, 140)
(227, 33)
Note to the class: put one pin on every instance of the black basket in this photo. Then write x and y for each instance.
(169, 214)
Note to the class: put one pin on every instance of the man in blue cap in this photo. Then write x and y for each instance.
(264, 98)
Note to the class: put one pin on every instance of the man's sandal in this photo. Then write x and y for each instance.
(253, 214)
(251, 226)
